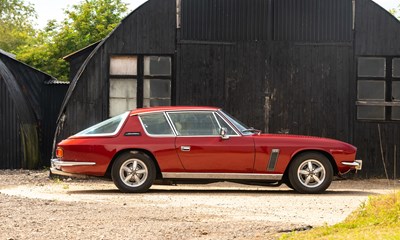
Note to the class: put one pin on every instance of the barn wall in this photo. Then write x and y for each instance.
(377, 31)
(27, 121)
(150, 29)
(377, 34)
(313, 20)
(309, 91)
(10, 142)
(228, 81)
(294, 75)
(226, 20)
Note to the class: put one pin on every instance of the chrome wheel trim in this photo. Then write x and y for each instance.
(311, 173)
(133, 172)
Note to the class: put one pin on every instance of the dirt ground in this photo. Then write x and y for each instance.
(36, 207)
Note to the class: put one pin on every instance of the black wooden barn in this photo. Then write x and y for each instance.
(317, 67)
(29, 104)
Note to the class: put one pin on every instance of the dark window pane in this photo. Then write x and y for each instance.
(371, 90)
(371, 112)
(156, 124)
(157, 88)
(160, 102)
(155, 65)
(371, 67)
(396, 91)
(395, 113)
(396, 67)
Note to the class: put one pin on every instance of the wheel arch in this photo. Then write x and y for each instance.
(140, 150)
(304, 151)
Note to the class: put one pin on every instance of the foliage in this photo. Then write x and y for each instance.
(396, 12)
(84, 24)
(15, 24)
(378, 219)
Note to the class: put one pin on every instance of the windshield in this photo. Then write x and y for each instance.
(245, 130)
(108, 127)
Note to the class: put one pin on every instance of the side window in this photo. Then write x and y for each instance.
(195, 123)
(223, 124)
(156, 124)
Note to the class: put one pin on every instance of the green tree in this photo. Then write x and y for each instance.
(84, 24)
(16, 29)
(396, 11)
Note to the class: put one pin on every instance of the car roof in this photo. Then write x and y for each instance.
(172, 108)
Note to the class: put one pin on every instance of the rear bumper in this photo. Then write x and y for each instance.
(56, 165)
(357, 164)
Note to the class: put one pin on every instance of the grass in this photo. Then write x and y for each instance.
(379, 218)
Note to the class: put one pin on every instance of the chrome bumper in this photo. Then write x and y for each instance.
(357, 164)
(56, 165)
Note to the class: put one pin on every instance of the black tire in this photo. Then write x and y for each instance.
(133, 172)
(314, 180)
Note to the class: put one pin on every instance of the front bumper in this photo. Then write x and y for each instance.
(357, 164)
(56, 165)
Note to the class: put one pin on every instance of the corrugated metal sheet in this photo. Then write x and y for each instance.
(28, 110)
(377, 30)
(10, 142)
(313, 20)
(225, 20)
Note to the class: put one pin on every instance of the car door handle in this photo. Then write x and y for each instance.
(185, 148)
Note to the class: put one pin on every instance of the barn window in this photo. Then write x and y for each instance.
(396, 67)
(396, 88)
(123, 84)
(157, 81)
(378, 88)
(371, 67)
(139, 81)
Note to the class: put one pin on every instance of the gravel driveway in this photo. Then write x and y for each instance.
(35, 207)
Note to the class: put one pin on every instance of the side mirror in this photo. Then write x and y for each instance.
(223, 133)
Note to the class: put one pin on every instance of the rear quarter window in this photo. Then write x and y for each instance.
(156, 124)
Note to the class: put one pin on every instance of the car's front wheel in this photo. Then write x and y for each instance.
(133, 172)
(310, 173)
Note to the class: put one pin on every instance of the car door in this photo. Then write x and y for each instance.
(201, 148)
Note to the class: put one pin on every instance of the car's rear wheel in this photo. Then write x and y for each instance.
(310, 173)
(133, 172)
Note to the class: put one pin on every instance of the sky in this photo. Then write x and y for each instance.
(53, 9)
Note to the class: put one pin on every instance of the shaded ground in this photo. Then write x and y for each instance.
(35, 207)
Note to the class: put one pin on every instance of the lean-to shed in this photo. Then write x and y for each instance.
(29, 103)
(318, 67)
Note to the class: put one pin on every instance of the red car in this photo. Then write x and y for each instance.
(199, 144)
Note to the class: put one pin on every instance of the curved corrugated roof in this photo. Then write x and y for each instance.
(86, 62)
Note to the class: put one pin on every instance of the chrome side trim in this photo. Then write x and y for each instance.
(228, 176)
(357, 164)
(58, 163)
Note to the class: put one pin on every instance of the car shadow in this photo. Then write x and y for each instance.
(200, 191)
